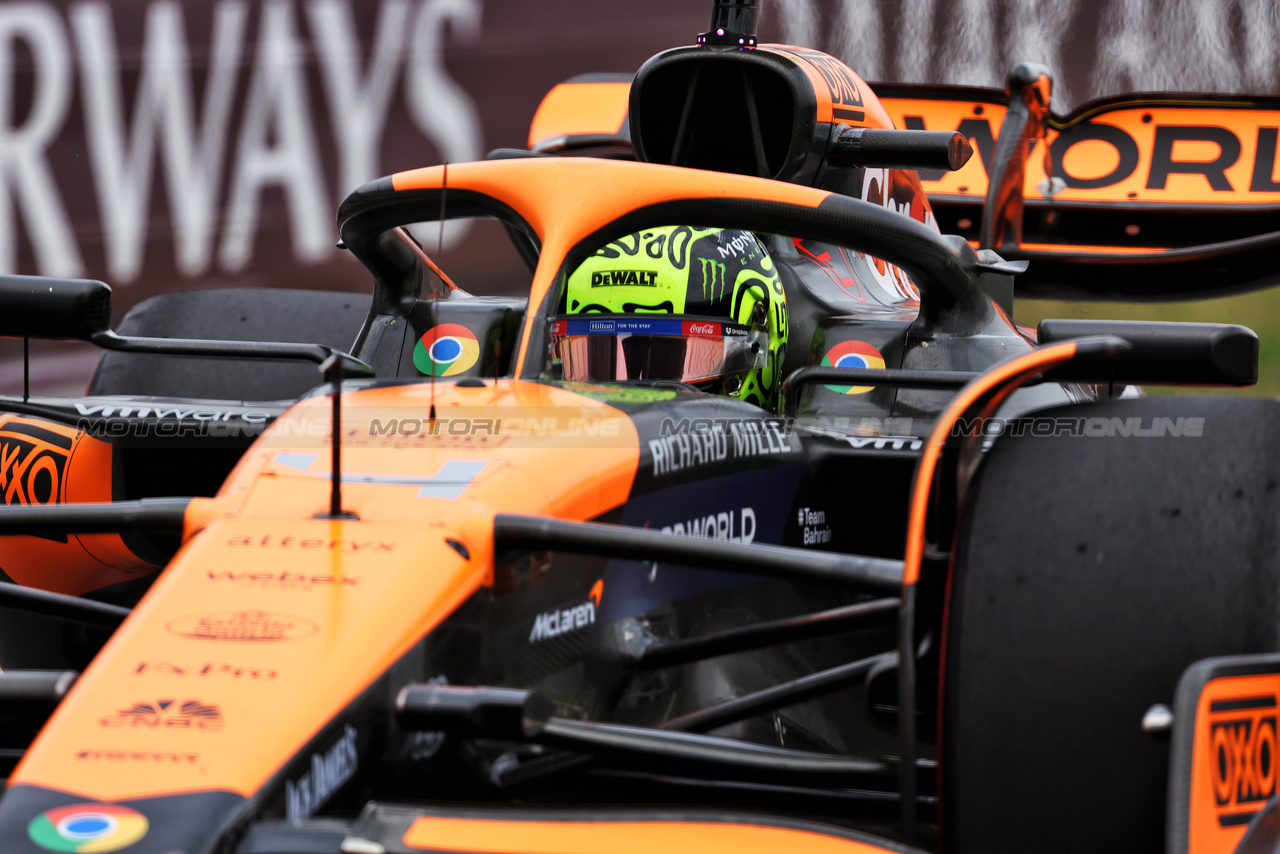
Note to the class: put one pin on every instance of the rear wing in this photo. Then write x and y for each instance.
(584, 112)
(1139, 196)
(1154, 195)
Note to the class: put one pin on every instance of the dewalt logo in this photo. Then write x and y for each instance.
(632, 278)
(1242, 734)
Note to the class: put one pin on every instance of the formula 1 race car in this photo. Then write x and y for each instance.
(819, 551)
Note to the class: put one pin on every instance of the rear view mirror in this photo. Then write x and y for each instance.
(1166, 353)
(80, 310)
(68, 309)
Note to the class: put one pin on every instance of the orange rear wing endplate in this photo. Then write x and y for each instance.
(587, 111)
(1133, 196)
(1223, 763)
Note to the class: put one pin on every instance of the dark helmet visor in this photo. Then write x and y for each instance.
(643, 347)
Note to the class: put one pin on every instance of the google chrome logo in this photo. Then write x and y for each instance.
(87, 828)
(852, 354)
(446, 350)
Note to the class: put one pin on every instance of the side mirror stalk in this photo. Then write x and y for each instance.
(1030, 89)
(80, 310)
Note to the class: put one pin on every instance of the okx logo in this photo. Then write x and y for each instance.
(87, 827)
(32, 462)
(1242, 733)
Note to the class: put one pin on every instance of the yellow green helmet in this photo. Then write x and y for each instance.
(702, 306)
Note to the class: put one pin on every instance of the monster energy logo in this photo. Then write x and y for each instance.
(712, 279)
(738, 246)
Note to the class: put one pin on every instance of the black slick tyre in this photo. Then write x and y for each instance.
(1089, 572)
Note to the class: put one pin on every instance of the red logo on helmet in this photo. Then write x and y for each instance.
(704, 330)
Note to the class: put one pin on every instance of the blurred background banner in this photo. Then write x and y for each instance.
(1095, 47)
(164, 144)
(172, 144)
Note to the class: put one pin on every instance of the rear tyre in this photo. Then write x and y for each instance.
(233, 314)
(1089, 572)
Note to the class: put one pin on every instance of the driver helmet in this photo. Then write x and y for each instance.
(702, 306)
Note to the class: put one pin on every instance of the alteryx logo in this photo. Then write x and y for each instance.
(550, 624)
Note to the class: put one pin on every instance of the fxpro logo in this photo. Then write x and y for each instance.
(550, 624)
(168, 668)
(1242, 739)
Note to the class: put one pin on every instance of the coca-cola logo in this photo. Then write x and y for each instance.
(703, 329)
